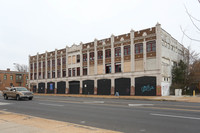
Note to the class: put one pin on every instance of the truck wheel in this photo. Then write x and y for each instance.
(5, 97)
(17, 97)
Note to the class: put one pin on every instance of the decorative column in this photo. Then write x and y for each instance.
(81, 86)
(122, 58)
(67, 87)
(104, 60)
(112, 86)
(51, 67)
(37, 68)
(158, 59)
(46, 74)
(29, 74)
(55, 90)
(46, 66)
(95, 56)
(112, 55)
(33, 76)
(132, 93)
(88, 61)
(95, 86)
(66, 61)
(144, 55)
(56, 74)
(61, 65)
(41, 62)
(132, 52)
(81, 60)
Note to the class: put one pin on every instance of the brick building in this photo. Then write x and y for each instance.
(12, 78)
(136, 63)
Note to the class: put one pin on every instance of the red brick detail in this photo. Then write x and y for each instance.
(66, 91)
(132, 91)
(55, 90)
(95, 90)
(80, 91)
(158, 90)
(112, 90)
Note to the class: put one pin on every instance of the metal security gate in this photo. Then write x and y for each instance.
(61, 87)
(104, 87)
(50, 87)
(123, 85)
(41, 88)
(74, 87)
(145, 86)
(88, 87)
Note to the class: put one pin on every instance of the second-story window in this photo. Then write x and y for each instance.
(151, 46)
(48, 63)
(139, 48)
(100, 54)
(58, 62)
(117, 51)
(43, 64)
(53, 63)
(77, 58)
(73, 72)
(78, 71)
(63, 61)
(84, 57)
(69, 72)
(108, 53)
(84, 70)
(31, 66)
(35, 66)
(127, 50)
(39, 64)
(91, 56)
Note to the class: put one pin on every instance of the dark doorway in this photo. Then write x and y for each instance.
(88, 87)
(50, 87)
(61, 87)
(74, 87)
(41, 88)
(104, 87)
(123, 85)
(145, 86)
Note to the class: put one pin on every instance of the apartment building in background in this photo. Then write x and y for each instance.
(135, 63)
(13, 78)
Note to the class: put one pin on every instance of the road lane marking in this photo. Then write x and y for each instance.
(4, 103)
(93, 102)
(172, 109)
(176, 116)
(139, 105)
(58, 105)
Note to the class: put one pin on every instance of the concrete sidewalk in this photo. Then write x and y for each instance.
(18, 123)
(195, 99)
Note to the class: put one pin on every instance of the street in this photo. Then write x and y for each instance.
(129, 116)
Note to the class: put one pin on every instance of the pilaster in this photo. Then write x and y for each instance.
(132, 47)
(112, 55)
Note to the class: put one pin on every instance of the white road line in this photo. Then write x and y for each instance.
(58, 105)
(176, 116)
(94, 102)
(4, 103)
(138, 105)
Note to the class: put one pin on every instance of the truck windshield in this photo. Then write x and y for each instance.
(21, 89)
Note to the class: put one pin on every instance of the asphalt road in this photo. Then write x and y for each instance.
(129, 116)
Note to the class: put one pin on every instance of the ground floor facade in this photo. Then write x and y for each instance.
(147, 84)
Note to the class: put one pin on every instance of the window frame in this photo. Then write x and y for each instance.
(118, 52)
(127, 50)
(139, 48)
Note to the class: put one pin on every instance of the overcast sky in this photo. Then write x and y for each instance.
(31, 26)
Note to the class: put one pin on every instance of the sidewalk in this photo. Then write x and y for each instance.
(18, 123)
(184, 98)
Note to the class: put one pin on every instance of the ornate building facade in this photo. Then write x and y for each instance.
(136, 63)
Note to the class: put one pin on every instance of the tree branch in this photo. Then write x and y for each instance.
(188, 36)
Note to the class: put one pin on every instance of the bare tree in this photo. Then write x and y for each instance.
(21, 67)
(194, 20)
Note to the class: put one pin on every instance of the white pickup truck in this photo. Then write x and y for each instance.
(18, 93)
